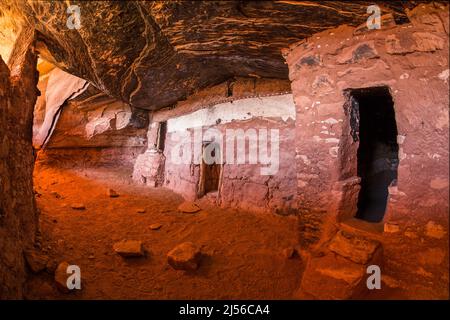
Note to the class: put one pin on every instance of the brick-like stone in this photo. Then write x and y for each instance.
(188, 207)
(185, 256)
(129, 248)
(355, 248)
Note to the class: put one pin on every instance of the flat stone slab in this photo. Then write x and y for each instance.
(356, 248)
(188, 207)
(155, 226)
(129, 248)
(112, 193)
(332, 277)
(78, 206)
(185, 256)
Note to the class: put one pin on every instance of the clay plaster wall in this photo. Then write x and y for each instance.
(243, 185)
(412, 60)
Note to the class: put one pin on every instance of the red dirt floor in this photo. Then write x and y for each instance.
(242, 251)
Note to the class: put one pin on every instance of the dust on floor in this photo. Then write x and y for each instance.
(243, 252)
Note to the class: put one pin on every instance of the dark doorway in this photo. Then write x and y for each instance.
(210, 172)
(162, 131)
(377, 155)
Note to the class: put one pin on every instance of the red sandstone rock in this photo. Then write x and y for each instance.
(112, 193)
(391, 228)
(78, 206)
(356, 248)
(155, 226)
(177, 60)
(289, 253)
(188, 207)
(129, 248)
(37, 261)
(18, 216)
(51, 266)
(331, 277)
(434, 230)
(185, 256)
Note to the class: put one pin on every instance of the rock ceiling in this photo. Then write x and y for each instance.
(152, 54)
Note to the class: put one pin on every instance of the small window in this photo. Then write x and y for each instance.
(162, 131)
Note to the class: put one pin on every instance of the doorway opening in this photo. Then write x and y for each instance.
(377, 156)
(210, 172)
(162, 131)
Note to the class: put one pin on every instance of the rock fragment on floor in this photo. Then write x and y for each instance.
(155, 226)
(353, 247)
(78, 206)
(140, 210)
(188, 207)
(185, 256)
(331, 277)
(129, 248)
(112, 193)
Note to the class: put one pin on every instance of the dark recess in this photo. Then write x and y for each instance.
(378, 150)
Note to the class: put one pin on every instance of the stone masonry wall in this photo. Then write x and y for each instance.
(18, 217)
(412, 61)
(242, 185)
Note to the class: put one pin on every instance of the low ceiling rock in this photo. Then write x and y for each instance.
(153, 54)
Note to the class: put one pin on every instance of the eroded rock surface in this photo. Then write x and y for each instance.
(129, 248)
(18, 217)
(185, 256)
(182, 45)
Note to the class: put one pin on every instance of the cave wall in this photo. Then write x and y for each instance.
(56, 89)
(18, 216)
(87, 128)
(412, 60)
(244, 104)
